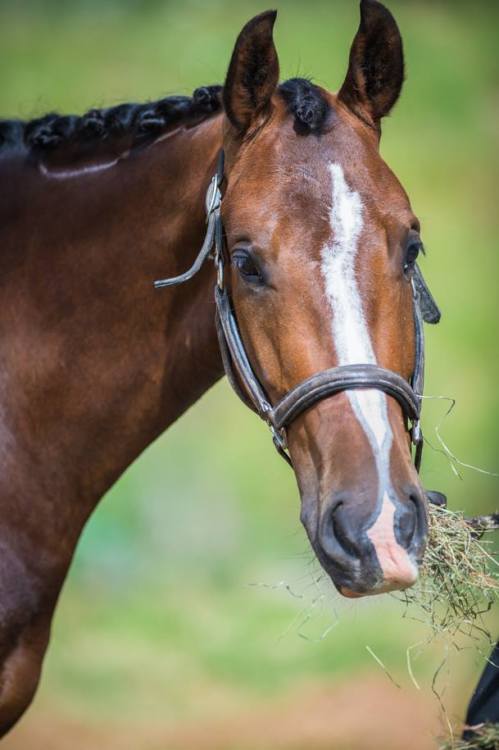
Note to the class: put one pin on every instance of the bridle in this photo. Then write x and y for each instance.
(327, 383)
(245, 383)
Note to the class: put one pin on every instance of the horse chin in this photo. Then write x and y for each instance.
(349, 594)
(383, 587)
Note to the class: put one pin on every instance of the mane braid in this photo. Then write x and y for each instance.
(140, 122)
(307, 103)
(143, 122)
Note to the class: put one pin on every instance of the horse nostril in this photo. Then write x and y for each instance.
(336, 537)
(411, 523)
(339, 530)
(407, 523)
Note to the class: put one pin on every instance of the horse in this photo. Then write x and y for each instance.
(316, 316)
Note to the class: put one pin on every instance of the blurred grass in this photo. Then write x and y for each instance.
(159, 612)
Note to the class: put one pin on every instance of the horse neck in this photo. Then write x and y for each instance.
(102, 362)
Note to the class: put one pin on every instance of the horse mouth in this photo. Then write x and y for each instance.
(366, 577)
(384, 588)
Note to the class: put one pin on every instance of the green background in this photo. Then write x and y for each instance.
(177, 609)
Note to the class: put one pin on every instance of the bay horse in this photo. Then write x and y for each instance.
(316, 246)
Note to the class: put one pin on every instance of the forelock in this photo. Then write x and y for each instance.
(307, 103)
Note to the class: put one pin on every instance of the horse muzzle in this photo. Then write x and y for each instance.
(374, 553)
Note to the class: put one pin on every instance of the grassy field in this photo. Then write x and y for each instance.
(194, 602)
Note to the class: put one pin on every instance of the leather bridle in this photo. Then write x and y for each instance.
(323, 384)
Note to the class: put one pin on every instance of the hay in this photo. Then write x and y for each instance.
(458, 580)
(486, 738)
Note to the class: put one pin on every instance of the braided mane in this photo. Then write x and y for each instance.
(144, 122)
(140, 122)
(306, 102)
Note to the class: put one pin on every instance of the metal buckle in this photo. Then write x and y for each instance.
(280, 443)
(213, 197)
(279, 438)
(417, 441)
(219, 264)
(219, 255)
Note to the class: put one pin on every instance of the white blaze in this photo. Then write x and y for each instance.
(350, 332)
(353, 346)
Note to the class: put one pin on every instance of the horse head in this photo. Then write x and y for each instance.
(321, 245)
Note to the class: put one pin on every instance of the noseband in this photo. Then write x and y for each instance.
(327, 383)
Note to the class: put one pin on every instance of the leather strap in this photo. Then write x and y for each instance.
(417, 380)
(213, 202)
(430, 312)
(239, 362)
(338, 379)
(202, 255)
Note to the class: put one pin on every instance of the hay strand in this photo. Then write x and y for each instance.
(486, 737)
(459, 579)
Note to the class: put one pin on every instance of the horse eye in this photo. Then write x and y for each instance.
(411, 255)
(247, 267)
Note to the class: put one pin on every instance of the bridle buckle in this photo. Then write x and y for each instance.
(213, 197)
(417, 441)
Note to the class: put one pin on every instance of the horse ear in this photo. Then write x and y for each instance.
(253, 73)
(376, 69)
